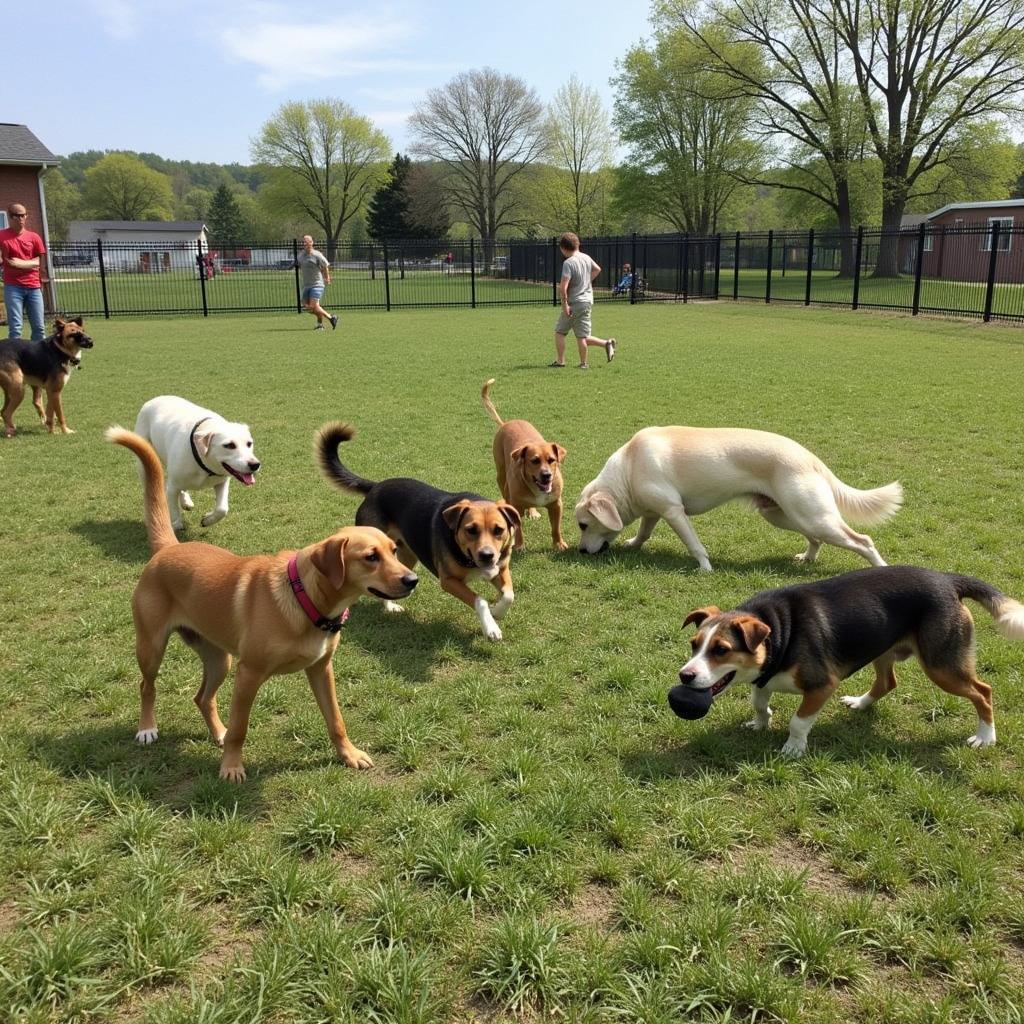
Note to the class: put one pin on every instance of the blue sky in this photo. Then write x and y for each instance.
(195, 80)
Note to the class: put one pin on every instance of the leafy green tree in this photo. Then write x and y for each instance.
(387, 216)
(194, 204)
(688, 131)
(324, 163)
(225, 218)
(122, 187)
(63, 204)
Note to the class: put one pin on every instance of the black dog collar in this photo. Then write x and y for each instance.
(195, 451)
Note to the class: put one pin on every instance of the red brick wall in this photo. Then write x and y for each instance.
(963, 257)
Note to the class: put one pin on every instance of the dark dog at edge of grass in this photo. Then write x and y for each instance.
(276, 613)
(805, 638)
(460, 537)
(45, 364)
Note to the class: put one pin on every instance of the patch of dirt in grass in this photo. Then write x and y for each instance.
(225, 943)
(592, 908)
(788, 854)
(8, 918)
(474, 1010)
(350, 865)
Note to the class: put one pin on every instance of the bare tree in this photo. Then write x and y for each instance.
(484, 128)
(805, 88)
(925, 71)
(326, 162)
(580, 140)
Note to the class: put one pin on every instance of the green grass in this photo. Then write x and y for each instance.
(541, 838)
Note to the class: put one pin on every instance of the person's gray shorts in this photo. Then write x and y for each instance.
(578, 322)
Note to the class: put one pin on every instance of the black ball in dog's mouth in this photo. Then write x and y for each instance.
(689, 703)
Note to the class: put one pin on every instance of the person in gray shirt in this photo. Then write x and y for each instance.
(315, 273)
(577, 292)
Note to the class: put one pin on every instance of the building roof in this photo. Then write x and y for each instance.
(989, 204)
(19, 146)
(192, 227)
(912, 220)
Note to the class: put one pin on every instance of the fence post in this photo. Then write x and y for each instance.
(718, 261)
(680, 290)
(636, 270)
(472, 274)
(810, 265)
(103, 278)
(991, 285)
(736, 269)
(298, 289)
(856, 265)
(554, 271)
(768, 274)
(202, 274)
(387, 278)
(686, 267)
(917, 270)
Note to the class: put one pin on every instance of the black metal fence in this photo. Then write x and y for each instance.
(966, 270)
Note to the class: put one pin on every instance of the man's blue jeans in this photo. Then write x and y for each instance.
(15, 297)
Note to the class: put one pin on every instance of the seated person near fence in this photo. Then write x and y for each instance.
(627, 280)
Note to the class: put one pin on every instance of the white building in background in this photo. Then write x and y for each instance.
(142, 246)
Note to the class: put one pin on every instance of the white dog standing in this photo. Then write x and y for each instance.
(198, 449)
(673, 473)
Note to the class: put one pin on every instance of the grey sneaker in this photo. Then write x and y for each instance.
(319, 327)
(583, 366)
(334, 322)
(609, 349)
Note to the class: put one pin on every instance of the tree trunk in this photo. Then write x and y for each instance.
(894, 201)
(847, 255)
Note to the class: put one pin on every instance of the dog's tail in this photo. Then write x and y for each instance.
(489, 405)
(158, 515)
(328, 437)
(1009, 614)
(867, 507)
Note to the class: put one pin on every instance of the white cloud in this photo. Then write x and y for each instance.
(286, 51)
(389, 118)
(119, 18)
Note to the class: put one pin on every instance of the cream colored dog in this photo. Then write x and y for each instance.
(673, 473)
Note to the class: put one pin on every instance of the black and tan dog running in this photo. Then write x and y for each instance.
(804, 639)
(459, 537)
(45, 364)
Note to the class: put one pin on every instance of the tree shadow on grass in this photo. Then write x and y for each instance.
(408, 644)
(123, 539)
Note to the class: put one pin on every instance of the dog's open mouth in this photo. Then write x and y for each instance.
(716, 688)
(248, 479)
(387, 597)
(544, 486)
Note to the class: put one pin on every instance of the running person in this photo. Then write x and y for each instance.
(315, 272)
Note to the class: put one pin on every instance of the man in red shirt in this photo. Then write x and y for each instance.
(20, 253)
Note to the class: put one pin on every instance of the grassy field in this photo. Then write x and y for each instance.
(541, 838)
(80, 290)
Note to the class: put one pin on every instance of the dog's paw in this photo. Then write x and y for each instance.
(218, 738)
(858, 703)
(493, 632)
(213, 517)
(984, 737)
(633, 542)
(232, 773)
(185, 501)
(393, 608)
(533, 513)
(356, 758)
(147, 736)
(560, 545)
(66, 430)
(704, 567)
(501, 606)
(759, 723)
(794, 747)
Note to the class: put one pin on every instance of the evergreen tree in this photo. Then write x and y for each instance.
(225, 219)
(387, 216)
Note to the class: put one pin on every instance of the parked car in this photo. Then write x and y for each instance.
(72, 259)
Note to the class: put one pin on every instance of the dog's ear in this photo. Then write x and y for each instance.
(203, 442)
(602, 507)
(559, 452)
(698, 615)
(328, 559)
(59, 324)
(78, 320)
(453, 514)
(753, 631)
(518, 453)
(511, 515)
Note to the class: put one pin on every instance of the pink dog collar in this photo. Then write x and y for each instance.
(312, 612)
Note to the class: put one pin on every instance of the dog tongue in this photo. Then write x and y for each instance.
(247, 478)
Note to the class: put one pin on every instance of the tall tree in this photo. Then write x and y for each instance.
(387, 216)
(484, 128)
(580, 141)
(687, 129)
(427, 208)
(63, 204)
(926, 71)
(224, 218)
(792, 62)
(324, 160)
(122, 187)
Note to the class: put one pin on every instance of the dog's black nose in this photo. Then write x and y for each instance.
(545, 478)
(687, 675)
(486, 555)
(84, 341)
(410, 580)
(254, 464)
